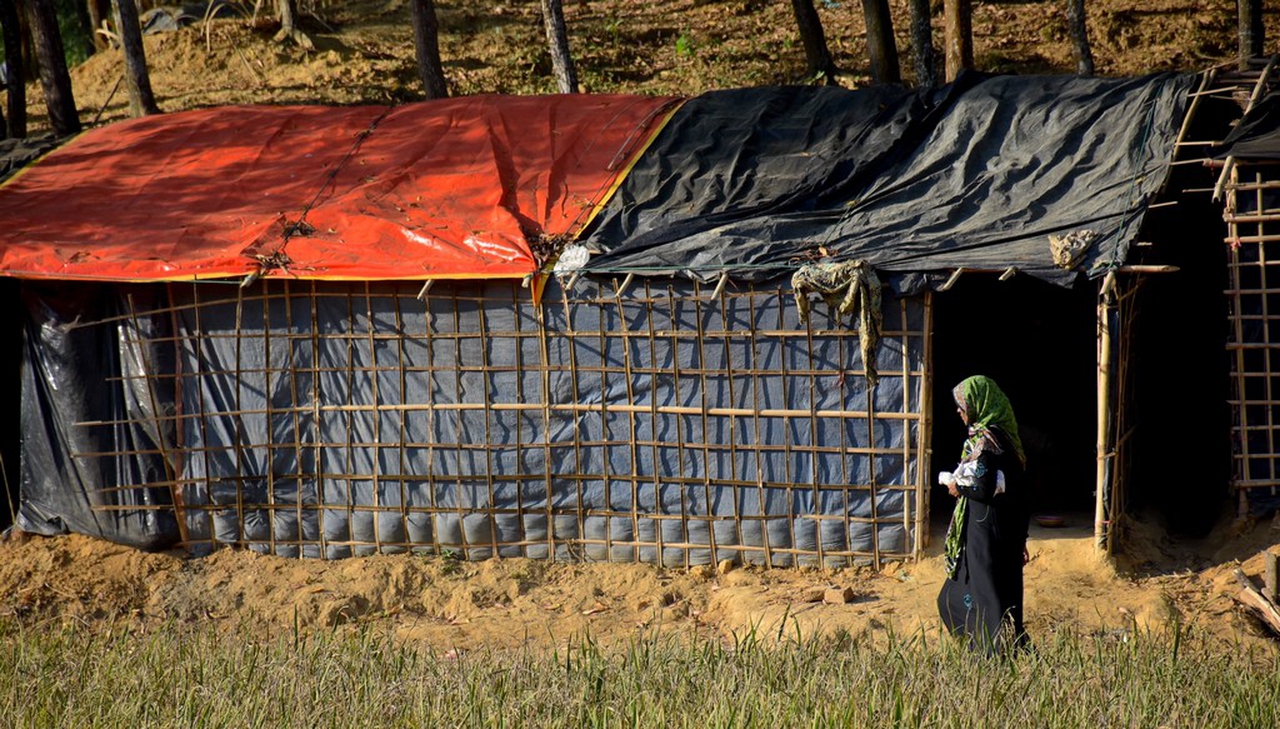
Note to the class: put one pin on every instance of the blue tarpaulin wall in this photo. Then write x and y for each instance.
(661, 423)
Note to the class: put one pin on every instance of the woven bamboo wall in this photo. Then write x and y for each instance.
(1253, 225)
(664, 423)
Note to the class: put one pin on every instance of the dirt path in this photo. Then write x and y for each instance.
(459, 605)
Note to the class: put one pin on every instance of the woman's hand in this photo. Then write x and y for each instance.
(948, 479)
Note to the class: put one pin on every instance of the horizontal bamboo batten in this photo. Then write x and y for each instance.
(662, 423)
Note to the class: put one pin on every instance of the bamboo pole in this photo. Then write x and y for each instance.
(925, 449)
(317, 423)
(1104, 410)
(631, 416)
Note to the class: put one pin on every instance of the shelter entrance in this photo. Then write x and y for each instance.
(1038, 341)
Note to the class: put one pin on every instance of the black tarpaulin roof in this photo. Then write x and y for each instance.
(754, 182)
(1257, 136)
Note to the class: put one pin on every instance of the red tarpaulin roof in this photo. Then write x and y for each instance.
(450, 189)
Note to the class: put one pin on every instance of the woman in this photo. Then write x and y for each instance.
(985, 547)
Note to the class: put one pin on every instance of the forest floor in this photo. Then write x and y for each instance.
(364, 54)
(364, 49)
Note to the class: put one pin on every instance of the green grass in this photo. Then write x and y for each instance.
(179, 676)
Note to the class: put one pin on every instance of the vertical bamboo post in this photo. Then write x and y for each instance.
(487, 396)
(675, 385)
(376, 415)
(906, 426)
(181, 446)
(544, 369)
(458, 369)
(925, 449)
(403, 418)
(755, 430)
(606, 476)
(653, 421)
(699, 304)
(1104, 409)
(629, 374)
(725, 309)
(268, 457)
(1270, 575)
(316, 424)
(813, 433)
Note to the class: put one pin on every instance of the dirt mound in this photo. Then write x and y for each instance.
(504, 603)
(364, 49)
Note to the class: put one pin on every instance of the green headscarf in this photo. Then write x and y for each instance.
(987, 409)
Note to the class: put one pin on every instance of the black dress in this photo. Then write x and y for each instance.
(984, 600)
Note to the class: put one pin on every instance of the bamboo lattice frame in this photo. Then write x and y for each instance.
(662, 422)
(1253, 236)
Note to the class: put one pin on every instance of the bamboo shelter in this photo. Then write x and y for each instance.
(429, 329)
(661, 423)
(1248, 185)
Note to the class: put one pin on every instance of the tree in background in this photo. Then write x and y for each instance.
(54, 79)
(922, 43)
(288, 12)
(1251, 33)
(881, 46)
(138, 82)
(958, 36)
(1079, 37)
(84, 23)
(558, 43)
(815, 41)
(426, 40)
(16, 69)
(98, 10)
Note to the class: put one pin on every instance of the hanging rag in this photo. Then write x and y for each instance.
(848, 288)
(1068, 250)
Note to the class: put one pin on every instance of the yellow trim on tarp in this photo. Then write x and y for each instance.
(61, 146)
(621, 176)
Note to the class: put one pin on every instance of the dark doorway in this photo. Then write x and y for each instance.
(1038, 341)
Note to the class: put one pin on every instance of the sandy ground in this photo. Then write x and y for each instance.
(363, 54)
(452, 605)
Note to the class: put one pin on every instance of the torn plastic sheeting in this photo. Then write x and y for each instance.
(72, 376)
(450, 188)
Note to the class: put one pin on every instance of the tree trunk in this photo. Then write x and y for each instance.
(97, 14)
(137, 80)
(17, 72)
(53, 67)
(426, 40)
(288, 11)
(1251, 33)
(85, 22)
(558, 43)
(1079, 37)
(881, 46)
(958, 36)
(815, 41)
(922, 43)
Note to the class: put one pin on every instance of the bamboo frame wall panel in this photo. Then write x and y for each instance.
(1253, 229)
(1118, 311)
(665, 422)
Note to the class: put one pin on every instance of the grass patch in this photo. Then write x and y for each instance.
(180, 676)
